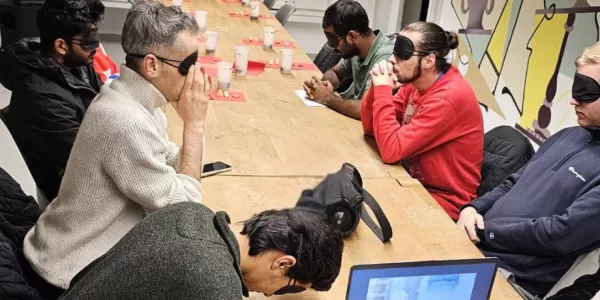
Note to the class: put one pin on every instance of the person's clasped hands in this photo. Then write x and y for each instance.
(383, 74)
(318, 90)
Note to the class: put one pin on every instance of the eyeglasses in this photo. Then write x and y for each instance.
(291, 288)
(184, 65)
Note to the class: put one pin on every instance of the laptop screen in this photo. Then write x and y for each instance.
(457, 280)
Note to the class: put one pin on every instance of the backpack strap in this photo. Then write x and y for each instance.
(384, 233)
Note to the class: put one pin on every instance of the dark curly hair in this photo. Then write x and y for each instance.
(64, 19)
(316, 245)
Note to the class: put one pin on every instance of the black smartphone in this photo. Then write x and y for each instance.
(215, 168)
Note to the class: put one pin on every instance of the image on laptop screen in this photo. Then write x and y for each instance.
(457, 280)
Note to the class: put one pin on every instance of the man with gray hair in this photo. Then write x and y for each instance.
(122, 166)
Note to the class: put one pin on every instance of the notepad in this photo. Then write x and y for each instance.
(302, 95)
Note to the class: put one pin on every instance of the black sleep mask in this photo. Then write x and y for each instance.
(184, 65)
(333, 40)
(404, 48)
(585, 89)
(88, 41)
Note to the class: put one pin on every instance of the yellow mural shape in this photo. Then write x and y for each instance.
(545, 50)
(498, 40)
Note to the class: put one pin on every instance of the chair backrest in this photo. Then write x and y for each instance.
(269, 3)
(327, 58)
(505, 151)
(285, 12)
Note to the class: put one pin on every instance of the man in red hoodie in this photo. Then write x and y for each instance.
(433, 125)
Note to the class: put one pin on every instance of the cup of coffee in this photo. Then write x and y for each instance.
(210, 42)
(241, 60)
(286, 59)
(269, 37)
(255, 10)
(224, 70)
(201, 18)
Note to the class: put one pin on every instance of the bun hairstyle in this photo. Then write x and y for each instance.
(452, 40)
(434, 40)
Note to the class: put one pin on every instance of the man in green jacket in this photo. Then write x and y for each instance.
(185, 251)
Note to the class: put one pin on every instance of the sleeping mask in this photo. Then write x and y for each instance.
(184, 65)
(404, 48)
(333, 40)
(88, 41)
(585, 89)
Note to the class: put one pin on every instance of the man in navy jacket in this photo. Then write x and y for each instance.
(546, 214)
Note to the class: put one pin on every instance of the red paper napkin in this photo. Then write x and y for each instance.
(234, 96)
(304, 67)
(247, 41)
(284, 44)
(245, 15)
(239, 14)
(255, 68)
(209, 59)
(211, 70)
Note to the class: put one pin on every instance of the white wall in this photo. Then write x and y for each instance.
(305, 24)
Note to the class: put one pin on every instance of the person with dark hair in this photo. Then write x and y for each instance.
(52, 83)
(122, 166)
(433, 125)
(187, 252)
(346, 26)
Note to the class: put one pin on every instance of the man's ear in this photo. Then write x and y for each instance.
(151, 66)
(284, 262)
(429, 61)
(61, 46)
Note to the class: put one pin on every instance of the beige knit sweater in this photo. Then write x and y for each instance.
(121, 168)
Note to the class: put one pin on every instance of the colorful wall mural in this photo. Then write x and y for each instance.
(519, 57)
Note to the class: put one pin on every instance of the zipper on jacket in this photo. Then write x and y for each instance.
(562, 161)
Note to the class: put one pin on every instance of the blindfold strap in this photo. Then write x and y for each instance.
(585, 89)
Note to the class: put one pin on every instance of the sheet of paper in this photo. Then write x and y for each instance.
(302, 95)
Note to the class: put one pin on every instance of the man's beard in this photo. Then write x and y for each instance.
(70, 60)
(416, 74)
(350, 53)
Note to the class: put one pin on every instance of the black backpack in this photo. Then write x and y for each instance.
(340, 196)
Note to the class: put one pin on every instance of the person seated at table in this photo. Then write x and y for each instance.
(52, 83)
(104, 66)
(545, 215)
(346, 26)
(185, 251)
(123, 166)
(433, 125)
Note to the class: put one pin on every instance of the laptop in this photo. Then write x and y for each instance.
(470, 279)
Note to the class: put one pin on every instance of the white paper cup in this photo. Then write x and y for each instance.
(287, 56)
(269, 37)
(177, 2)
(255, 10)
(201, 18)
(224, 70)
(210, 43)
(245, 2)
(241, 60)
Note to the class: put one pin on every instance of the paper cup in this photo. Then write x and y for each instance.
(210, 43)
(224, 70)
(269, 37)
(287, 56)
(245, 2)
(255, 10)
(177, 2)
(201, 18)
(241, 60)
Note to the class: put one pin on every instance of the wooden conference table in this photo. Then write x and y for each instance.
(278, 146)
